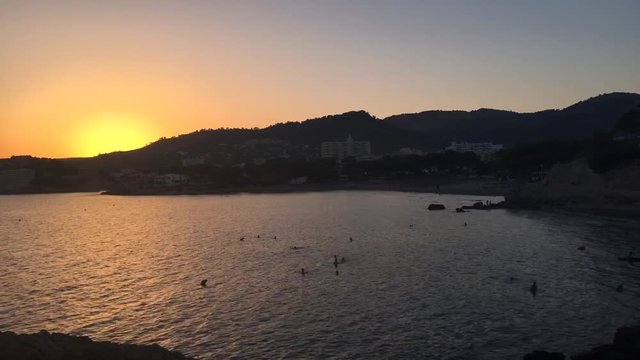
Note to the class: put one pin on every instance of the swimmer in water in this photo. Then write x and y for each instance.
(534, 288)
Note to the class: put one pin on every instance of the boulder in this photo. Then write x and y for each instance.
(436, 207)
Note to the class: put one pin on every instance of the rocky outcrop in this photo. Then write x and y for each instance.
(626, 346)
(574, 186)
(479, 205)
(55, 346)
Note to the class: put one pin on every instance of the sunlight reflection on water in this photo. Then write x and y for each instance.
(128, 269)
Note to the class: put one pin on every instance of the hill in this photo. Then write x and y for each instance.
(291, 140)
(429, 130)
(578, 121)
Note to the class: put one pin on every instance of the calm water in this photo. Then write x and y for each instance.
(128, 269)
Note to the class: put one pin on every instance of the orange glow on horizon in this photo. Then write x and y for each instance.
(109, 132)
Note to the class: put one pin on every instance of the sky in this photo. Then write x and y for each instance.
(78, 78)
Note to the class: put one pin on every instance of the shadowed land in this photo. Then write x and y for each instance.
(56, 346)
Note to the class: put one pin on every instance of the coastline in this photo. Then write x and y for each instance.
(518, 195)
(459, 187)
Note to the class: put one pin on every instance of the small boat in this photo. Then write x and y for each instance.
(436, 207)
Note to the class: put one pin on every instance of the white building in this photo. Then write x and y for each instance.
(477, 148)
(342, 149)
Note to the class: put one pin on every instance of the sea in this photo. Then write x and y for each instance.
(414, 283)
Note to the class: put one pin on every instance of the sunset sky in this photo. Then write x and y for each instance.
(78, 78)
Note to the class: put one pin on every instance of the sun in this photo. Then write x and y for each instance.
(109, 132)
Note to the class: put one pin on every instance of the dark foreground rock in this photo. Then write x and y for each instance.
(626, 346)
(543, 355)
(55, 346)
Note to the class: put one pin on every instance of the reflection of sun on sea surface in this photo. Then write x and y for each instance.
(111, 132)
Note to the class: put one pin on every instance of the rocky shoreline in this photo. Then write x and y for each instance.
(575, 187)
(55, 346)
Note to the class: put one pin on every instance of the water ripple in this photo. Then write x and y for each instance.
(128, 269)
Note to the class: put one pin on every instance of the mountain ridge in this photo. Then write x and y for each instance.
(577, 121)
(427, 130)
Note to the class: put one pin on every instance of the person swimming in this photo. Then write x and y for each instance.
(337, 272)
(302, 271)
(620, 288)
(203, 283)
(534, 288)
(342, 260)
